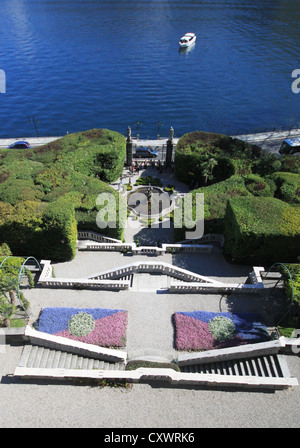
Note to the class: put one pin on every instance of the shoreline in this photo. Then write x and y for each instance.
(264, 139)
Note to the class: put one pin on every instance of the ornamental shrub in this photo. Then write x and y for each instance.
(81, 324)
(261, 230)
(294, 270)
(287, 186)
(291, 164)
(215, 200)
(72, 169)
(257, 186)
(221, 328)
(195, 152)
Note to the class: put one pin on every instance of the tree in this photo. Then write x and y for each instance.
(207, 168)
(7, 310)
(9, 284)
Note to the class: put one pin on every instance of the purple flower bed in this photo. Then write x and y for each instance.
(109, 331)
(192, 330)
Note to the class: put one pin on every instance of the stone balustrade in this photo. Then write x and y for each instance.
(167, 375)
(94, 236)
(72, 346)
(213, 287)
(146, 250)
(117, 279)
(154, 267)
(46, 279)
(209, 238)
(240, 352)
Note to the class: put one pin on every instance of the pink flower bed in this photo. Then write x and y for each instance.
(191, 334)
(192, 330)
(109, 331)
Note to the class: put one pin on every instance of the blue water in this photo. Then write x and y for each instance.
(75, 65)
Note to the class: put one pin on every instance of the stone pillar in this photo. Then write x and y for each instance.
(129, 147)
(170, 147)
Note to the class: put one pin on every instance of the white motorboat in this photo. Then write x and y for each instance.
(187, 40)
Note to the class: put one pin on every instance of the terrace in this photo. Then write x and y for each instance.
(160, 294)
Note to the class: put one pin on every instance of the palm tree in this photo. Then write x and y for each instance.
(205, 173)
(212, 163)
(7, 310)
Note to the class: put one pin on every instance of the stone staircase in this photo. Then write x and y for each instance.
(38, 357)
(269, 366)
(253, 366)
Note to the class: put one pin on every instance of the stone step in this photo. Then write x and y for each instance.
(263, 366)
(34, 356)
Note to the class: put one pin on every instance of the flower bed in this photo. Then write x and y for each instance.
(98, 326)
(197, 330)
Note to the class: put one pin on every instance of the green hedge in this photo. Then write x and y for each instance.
(287, 186)
(49, 191)
(261, 230)
(47, 231)
(203, 158)
(136, 364)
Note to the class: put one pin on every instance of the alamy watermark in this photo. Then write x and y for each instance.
(296, 84)
(2, 81)
(153, 205)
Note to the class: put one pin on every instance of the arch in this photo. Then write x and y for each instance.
(21, 272)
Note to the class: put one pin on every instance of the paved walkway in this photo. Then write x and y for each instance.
(150, 310)
(150, 334)
(268, 140)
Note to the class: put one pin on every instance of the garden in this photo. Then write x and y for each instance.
(203, 330)
(244, 188)
(13, 304)
(49, 192)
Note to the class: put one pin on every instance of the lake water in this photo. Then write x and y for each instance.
(76, 65)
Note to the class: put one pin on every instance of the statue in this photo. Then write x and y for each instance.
(171, 135)
(149, 193)
(129, 133)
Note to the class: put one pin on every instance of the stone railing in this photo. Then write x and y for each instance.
(117, 279)
(46, 279)
(104, 243)
(72, 346)
(240, 352)
(209, 238)
(94, 236)
(256, 276)
(166, 375)
(153, 267)
(146, 250)
(212, 287)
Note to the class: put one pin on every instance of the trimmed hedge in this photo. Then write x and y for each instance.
(49, 191)
(261, 230)
(136, 364)
(215, 201)
(287, 186)
(203, 158)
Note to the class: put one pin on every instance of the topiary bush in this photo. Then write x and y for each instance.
(204, 158)
(257, 186)
(287, 187)
(81, 324)
(221, 328)
(49, 191)
(136, 364)
(290, 164)
(261, 230)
